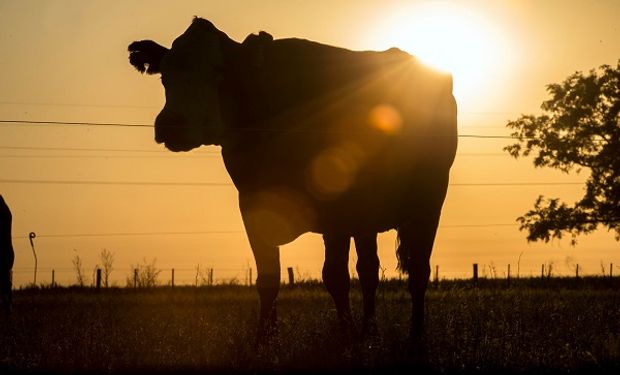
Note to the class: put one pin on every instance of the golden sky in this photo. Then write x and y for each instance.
(67, 61)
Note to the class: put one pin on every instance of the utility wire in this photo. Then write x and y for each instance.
(156, 183)
(112, 105)
(139, 183)
(82, 123)
(135, 234)
(170, 156)
(168, 153)
(209, 232)
(256, 130)
(79, 105)
(27, 148)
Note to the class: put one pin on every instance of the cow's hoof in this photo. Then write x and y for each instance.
(418, 349)
(370, 328)
(347, 329)
(266, 333)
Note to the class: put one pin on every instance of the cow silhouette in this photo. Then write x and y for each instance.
(6, 255)
(316, 139)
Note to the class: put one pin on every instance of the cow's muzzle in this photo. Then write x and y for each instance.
(175, 132)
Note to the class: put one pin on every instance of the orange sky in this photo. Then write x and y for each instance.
(67, 61)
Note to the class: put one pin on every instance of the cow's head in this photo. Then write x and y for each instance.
(190, 72)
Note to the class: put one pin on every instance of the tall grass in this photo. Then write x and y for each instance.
(529, 326)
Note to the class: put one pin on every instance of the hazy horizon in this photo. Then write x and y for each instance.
(85, 188)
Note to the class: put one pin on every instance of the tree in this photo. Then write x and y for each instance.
(147, 274)
(106, 258)
(580, 129)
(79, 270)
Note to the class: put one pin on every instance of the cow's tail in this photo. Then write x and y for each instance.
(403, 254)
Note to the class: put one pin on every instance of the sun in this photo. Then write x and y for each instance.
(447, 37)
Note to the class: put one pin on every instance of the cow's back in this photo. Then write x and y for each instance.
(344, 137)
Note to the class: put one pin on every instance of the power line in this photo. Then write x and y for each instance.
(31, 148)
(28, 148)
(169, 156)
(514, 183)
(134, 234)
(195, 152)
(79, 105)
(157, 183)
(126, 183)
(257, 130)
(113, 105)
(212, 232)
(79, 123)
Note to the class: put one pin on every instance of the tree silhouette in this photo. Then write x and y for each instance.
(580, 129)
(107, 264)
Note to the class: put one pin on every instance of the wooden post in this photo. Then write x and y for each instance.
(508, 275)
(475, 274)
(32, 236)
(542, 271)
(250, 276)
(611, 273)
(577, 271)
(210, 276)
(291, 276)
(53, 278)
(98, 278)
(437, 276)
(135, 278)
(172, 279)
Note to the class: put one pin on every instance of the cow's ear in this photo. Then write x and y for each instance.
(146, 55)
(255, 46)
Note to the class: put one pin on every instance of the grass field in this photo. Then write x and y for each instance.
(557, 325)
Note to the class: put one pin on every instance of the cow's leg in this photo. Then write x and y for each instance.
(7, 256)
(336, 275)
(267, 258)
(368, 270)
(5, 290)
(416, 237)
(268, 284)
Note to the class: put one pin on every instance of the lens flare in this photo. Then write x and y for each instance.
(331, 173)
(385, 118)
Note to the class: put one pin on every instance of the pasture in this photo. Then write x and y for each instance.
(558, 325)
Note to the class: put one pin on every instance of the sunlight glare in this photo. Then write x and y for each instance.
(449, 38)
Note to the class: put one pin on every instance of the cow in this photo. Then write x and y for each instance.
(318, 139)
(7, 256)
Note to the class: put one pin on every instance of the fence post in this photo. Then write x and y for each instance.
(291, 276)
(172, 279)
(437, 276)
(542, 271)
(475, 274)
(135, 278)
(508, 275)
(210, 276)
(32, 236)
(577, 271)
(611, 273)
(250, 276)
(53, 278)
(98, 278)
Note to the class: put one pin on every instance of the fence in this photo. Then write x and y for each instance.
(144, 277)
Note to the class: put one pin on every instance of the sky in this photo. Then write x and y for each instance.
(85, 188)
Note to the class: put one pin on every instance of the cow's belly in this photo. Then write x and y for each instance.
(328, 192)
(279, 214)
